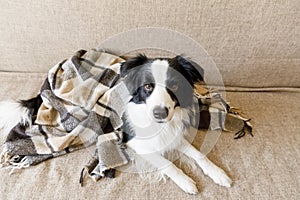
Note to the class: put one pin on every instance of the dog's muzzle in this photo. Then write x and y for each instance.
(160, 112)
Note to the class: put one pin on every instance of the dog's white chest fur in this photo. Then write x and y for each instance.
(153, 137)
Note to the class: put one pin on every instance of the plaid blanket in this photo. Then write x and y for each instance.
(83, 101)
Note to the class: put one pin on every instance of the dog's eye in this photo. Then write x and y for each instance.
(148, 87)
(174, 88)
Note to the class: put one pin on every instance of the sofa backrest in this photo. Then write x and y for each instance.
(253, 43)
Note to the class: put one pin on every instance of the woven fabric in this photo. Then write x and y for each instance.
(76, 108)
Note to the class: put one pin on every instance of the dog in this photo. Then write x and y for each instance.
(157, 119)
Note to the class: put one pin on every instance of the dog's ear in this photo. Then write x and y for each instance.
(131, 63)
(194, 70)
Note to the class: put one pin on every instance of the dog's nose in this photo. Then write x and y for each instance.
(160, 112)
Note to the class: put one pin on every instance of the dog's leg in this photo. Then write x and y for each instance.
(177, 175)
(217, 174)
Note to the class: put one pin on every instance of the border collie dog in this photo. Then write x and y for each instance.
(158, 117)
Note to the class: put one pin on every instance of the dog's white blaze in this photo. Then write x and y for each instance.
(159, 70)
(160, 96)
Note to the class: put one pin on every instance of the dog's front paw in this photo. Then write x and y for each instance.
(218, 176)
(188, 185)
(222, 179)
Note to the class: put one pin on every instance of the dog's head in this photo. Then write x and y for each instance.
(162, 84)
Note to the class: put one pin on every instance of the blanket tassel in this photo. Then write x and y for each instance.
(246, 129)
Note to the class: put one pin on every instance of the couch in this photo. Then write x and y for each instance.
(255, 45)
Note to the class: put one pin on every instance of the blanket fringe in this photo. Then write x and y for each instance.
(247, 128)
(20, 165)
(13, 163)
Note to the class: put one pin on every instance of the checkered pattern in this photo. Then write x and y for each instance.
(77, 106)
